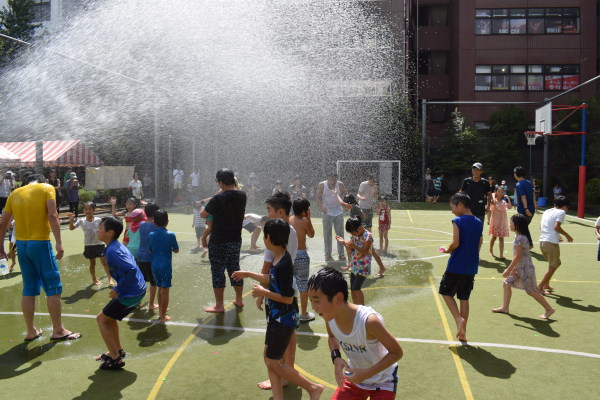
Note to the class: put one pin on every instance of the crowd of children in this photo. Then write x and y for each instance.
(145, 256)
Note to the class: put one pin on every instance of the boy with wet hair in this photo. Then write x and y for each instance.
(550, 231)
(372, 351)
(282, 310)
(462, 266)
(303, 226)
(125, 297)
(278, 206)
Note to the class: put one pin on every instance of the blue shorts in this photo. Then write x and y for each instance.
(163, 273)
(38, 267)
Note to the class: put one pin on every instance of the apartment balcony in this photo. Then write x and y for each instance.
(434, 38)
(434, 86)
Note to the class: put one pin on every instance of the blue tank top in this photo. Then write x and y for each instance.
(465, 258)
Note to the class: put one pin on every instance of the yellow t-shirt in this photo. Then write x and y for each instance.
(27, 205)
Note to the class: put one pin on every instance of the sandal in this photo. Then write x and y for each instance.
(113, 364)
(104, 356)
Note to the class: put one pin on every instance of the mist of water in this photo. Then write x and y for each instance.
(250, 83)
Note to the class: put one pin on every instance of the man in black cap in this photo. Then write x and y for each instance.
(478, 189)
(227, 209)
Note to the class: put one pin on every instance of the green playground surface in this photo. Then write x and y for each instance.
(205, 356)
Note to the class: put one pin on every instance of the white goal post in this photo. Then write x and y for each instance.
(387, 172)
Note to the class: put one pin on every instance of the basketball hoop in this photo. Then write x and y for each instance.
(531, 136)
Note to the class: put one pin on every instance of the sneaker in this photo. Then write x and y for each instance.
(308, 317)
(195, 250)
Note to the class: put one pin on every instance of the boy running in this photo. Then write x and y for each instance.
(372, 351)
(303, 226)
(463, 263)
(126, 296)
(551, 228)
(282, 310)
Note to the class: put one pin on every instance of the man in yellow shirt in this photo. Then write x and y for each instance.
(33, 208)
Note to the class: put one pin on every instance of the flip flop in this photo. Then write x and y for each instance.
(38, 334)
(70, 336)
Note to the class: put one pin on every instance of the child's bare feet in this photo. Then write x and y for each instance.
(492, 254)
(266, 385)
(346, 268)
(97, 283)
(204, 253)
(315, 394)
(112, 282)
(548, 314)
(215, 309)
(165, 319)
(238, 303)
(500, 310)
(461, 333)
(152, 307)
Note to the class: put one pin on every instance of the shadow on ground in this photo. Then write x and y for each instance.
(216, 336)
(485, 362)
(541, 326)
(107, 384)
(21, 354)
(569, 302)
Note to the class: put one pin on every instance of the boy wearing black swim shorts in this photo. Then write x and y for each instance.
(282, 310)
(462, 266)
(125, 297)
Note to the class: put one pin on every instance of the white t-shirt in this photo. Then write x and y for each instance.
(549, 218)
(598, 222)
(90, 230)
(368, 192)
(195, 177)
(178, 175)
(292, 247)
(136, 188)
(251, 219)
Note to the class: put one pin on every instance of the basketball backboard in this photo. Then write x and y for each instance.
(543, 119)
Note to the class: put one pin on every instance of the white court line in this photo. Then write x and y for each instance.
(324, 335)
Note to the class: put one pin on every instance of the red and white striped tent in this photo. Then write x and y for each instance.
(56, 153)
(8, 158)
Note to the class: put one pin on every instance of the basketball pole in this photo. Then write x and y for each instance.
(582, 167)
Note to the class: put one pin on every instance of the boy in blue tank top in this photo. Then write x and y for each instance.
(462, 266)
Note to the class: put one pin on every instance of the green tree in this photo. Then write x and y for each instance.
(16, 21)
(505, 147)
(453, 154)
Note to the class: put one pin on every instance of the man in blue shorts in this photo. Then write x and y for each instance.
(33, 208)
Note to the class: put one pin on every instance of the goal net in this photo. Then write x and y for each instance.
(387, 173)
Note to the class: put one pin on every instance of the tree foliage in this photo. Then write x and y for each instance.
(16, 21)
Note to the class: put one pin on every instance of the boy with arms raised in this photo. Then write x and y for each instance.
(464, 261)
(372, 351)
(282, 310)
(303, 226)
(126, 296)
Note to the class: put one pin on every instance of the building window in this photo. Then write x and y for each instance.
(526, 77)
(522, 21)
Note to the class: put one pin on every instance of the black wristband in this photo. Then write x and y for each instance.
(335, 354)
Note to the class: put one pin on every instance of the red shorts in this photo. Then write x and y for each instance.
(352, 392)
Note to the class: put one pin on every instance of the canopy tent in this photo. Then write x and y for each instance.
(56, 153)
(8, 158)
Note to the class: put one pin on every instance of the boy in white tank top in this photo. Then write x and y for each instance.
(372, 351)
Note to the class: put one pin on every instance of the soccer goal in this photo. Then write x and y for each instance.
(387, 173)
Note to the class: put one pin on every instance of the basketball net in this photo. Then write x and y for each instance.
(531, 136)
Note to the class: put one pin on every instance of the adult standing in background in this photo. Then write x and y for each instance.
(195, 182)
(33, 208)
(368, 191)
(327, 196)
(536, 192)
(297, 190)
(478, 189)
(227, 209)
(524, 194)
(177, 182)
(73, 194)
(6, 187)
(136, 187)
(54, 181)
(147, 182)
(427, 182)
